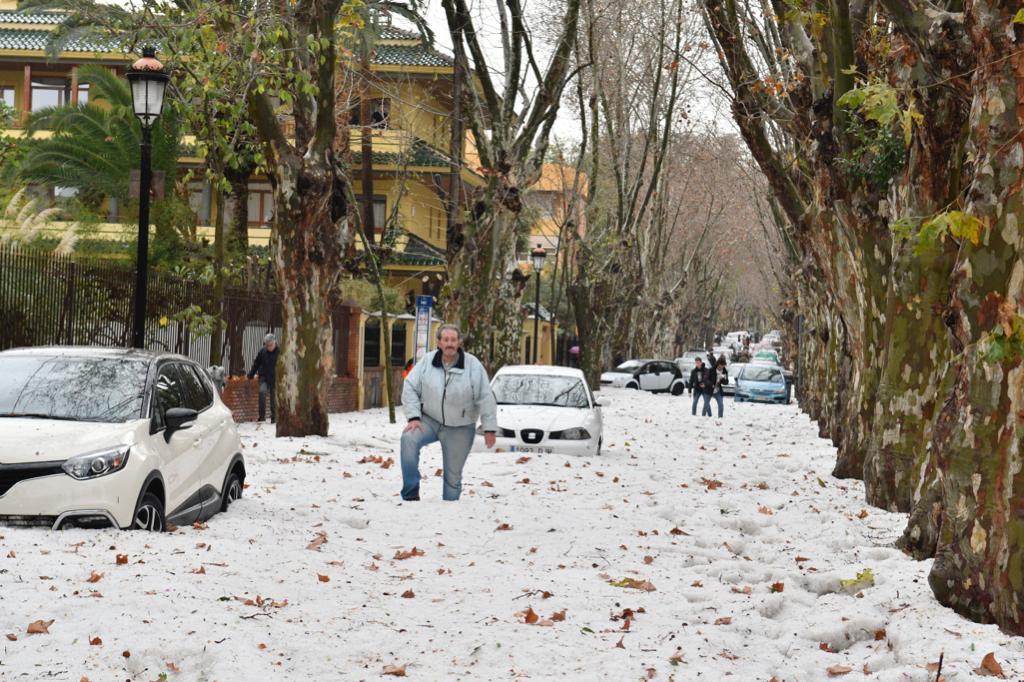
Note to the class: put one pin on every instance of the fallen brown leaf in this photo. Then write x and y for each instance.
(558, 616)
(404, 554)
(95, 641)
(778, 587)
(711, 483)
(990, 667)
(94, 577)
(408, 594)
(522, 460)
(742, 590)
(678, 531)
(837, 670)
(261, 646)
(635, 584)
(39, 627)
(172, 666)
(394, 670)
(199, 571)
(648, 559)
(320, 539)
(503, 526)
(12, 637)
(530, 617)
(879, 635)
(619, 644)
(724, 620)
(323, 578)
(121, 559)
(696, 583)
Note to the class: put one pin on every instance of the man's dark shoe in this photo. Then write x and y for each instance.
(411, 499)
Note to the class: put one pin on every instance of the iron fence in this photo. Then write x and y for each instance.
(50, 299)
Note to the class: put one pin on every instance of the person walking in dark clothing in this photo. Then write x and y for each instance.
(721, 378)
(265, 365)
(700, 380)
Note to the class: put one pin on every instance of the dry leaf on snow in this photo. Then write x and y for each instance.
(11, 636)
(522, 460)
(408, 594)
(724, 620)
(633, 583)
(95, 641)
(403, 554)
(836, 670)
(323, 578)
(394, 670)
(39, 627)
(778, 587)
(94, 577)
(990, 667)
(121, 559)
(320, 539)
(503, 526)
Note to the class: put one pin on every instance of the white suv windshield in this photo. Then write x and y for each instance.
(76, 388)
(534, 389)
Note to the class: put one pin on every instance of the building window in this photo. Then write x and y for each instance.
(261, 207)
(380, 213)
(7, 95)
(398, 344)
(83, 93)
(380, 113)
(50, 92)
(371, 344)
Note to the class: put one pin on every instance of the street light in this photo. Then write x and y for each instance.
(148, 80)
(538, 255)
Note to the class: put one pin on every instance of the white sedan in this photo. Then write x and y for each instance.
(99, 437)
(544, 409)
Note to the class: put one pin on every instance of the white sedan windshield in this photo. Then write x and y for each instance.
(535, 389)
(77, 388)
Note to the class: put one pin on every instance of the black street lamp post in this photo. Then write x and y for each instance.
(538, 255)
(148, 80)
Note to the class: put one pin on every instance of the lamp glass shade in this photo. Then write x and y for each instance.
(147, 95)
(538, 255)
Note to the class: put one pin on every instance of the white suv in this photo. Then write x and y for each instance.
(113, 437)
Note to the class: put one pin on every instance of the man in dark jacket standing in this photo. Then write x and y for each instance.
(265, 365)
(700, 381)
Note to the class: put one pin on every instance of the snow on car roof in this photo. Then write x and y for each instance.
(545, 370)
(90, 352)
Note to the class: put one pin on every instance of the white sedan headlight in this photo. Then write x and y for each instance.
(95, 464)
(575, 434)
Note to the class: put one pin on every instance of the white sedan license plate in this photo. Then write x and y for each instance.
(521, 448)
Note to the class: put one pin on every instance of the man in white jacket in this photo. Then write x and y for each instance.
(443, 396)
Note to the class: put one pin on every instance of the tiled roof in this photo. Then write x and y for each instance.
(409, 55)
(422, 155)
(28, 39)
(19, 18)
(413, 250)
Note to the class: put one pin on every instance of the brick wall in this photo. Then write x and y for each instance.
(242, 396)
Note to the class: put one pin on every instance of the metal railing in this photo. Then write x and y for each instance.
(49, 299)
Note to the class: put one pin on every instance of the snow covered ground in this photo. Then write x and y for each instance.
(732, 534)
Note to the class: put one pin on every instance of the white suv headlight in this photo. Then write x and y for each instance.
(575, 434)
(95, 464)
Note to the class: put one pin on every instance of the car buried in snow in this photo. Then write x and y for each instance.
(623, 374)
(97, 437)
(762, 383)
(544, 409)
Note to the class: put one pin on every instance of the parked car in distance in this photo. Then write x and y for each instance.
(622, 374)
(734, 369)
(719, 351)
(766, 356)
(658, 376)
(735, 340)
(98, 437)
(762, 383)
(772, 338)
(544, 409)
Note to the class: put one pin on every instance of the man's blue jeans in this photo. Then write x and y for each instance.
(705, 411)
(455, 444)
